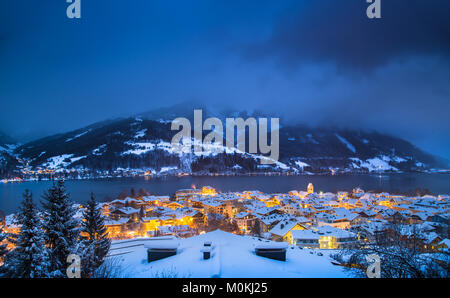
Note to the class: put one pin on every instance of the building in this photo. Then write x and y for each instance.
(444, 245)
(174, 205)
(245, 221)
(282, 231)
(218, 207)
(151, 201)
(325, 237)
(125, 212)
(208, 191)
(180, 231)
(116, 228)
(186, 194)
(149, 224)
(292, 209)
(310, 188)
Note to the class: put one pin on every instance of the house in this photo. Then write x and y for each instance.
(418, 218)
(174, 205)
(367, 214)
(127, 202)
(371, 231)
(149, 224)
(186, 194)
(282, 230)
(181, 231)
(155, 200)
(167, 220)
(218, 207)
(325, 237)
(399, 217)
(431, 241)
(292, 209)
(441, 218)
(116, 228)
(245, 221)
(196, 218)
(125, 212)
(272, 201)
(267, 222)
(10, 225)
(443, 245)
(340, 218)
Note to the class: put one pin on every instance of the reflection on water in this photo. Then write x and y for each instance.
(10, 193)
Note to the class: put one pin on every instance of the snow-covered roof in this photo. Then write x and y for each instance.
(430, 237)
(242, 214)
(283, 227)
(271, 245)
(318, 232)
(162, 244)
(445, 242)
(111, 222)
(127, 210)
(155, 198)
(212, 202)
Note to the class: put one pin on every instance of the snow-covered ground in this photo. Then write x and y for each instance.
(232, 256)
(375, 164)
(61, 161)
(346, 143)
(77, 136)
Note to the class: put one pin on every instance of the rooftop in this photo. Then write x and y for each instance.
(231, 256)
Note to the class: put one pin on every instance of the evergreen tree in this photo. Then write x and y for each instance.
(3, 249)
(61, 228)
(95, 238)
(29, 258)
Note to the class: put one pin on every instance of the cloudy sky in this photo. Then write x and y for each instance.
(320, 62)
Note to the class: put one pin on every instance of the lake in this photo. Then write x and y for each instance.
(11, 193)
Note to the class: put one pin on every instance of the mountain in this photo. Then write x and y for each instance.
(8, 162)
(141, 144)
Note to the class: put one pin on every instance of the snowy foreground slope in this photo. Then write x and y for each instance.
(232, 256)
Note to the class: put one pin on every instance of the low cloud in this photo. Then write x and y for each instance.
(340, 32)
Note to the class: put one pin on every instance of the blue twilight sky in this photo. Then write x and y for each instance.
(321, 62)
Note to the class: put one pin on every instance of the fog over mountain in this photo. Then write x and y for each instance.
(141, 145)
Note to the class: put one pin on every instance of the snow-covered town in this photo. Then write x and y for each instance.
(343, 218)
(300, 227)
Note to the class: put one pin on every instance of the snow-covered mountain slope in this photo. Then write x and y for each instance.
(8, 161)
(143, 142)
(7, 143)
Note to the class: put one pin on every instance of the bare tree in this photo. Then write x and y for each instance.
(401, 252)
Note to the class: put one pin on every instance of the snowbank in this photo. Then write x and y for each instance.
(232, 256)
